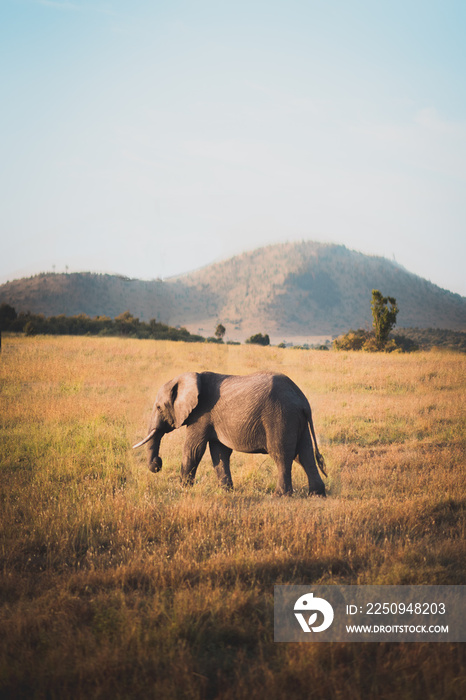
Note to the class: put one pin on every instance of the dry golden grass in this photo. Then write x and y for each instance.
(119, 583)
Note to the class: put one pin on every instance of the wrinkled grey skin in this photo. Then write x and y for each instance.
(262, 413)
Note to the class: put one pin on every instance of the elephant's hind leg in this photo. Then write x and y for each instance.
(284, 486)
(221, 460)
(306, 459)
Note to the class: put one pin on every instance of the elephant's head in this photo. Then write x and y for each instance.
(174, 403)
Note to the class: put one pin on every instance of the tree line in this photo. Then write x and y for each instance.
(380, 338)
(125, 325)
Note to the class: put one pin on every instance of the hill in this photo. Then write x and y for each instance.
(291, 291)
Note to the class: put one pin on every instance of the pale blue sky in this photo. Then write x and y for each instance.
(150, 138)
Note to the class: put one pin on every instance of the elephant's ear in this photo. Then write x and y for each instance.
(185, 396)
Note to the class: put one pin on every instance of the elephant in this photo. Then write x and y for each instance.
(262, 413)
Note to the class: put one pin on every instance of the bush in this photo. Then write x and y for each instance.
(367, 342)
(211, 339)
(405, 344)
(353, 340)
(30, 329)
(259, 339)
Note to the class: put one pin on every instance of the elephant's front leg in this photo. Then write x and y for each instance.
(221, 460)
(193, 451)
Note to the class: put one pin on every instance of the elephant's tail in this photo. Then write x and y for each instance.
(319, 458)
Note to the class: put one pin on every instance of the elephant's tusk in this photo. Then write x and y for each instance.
(146, 439)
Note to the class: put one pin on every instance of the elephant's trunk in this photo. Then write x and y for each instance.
(153, 439)
(154, 462)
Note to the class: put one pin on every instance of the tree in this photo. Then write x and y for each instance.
(220, 331)
(384, 311)
(384, 317)
(7, 314)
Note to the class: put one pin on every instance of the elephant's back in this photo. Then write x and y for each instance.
(260, 385)
(247, 389)
(251, 413)
(256, 396)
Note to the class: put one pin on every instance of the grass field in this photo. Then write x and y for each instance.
(118, 583)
